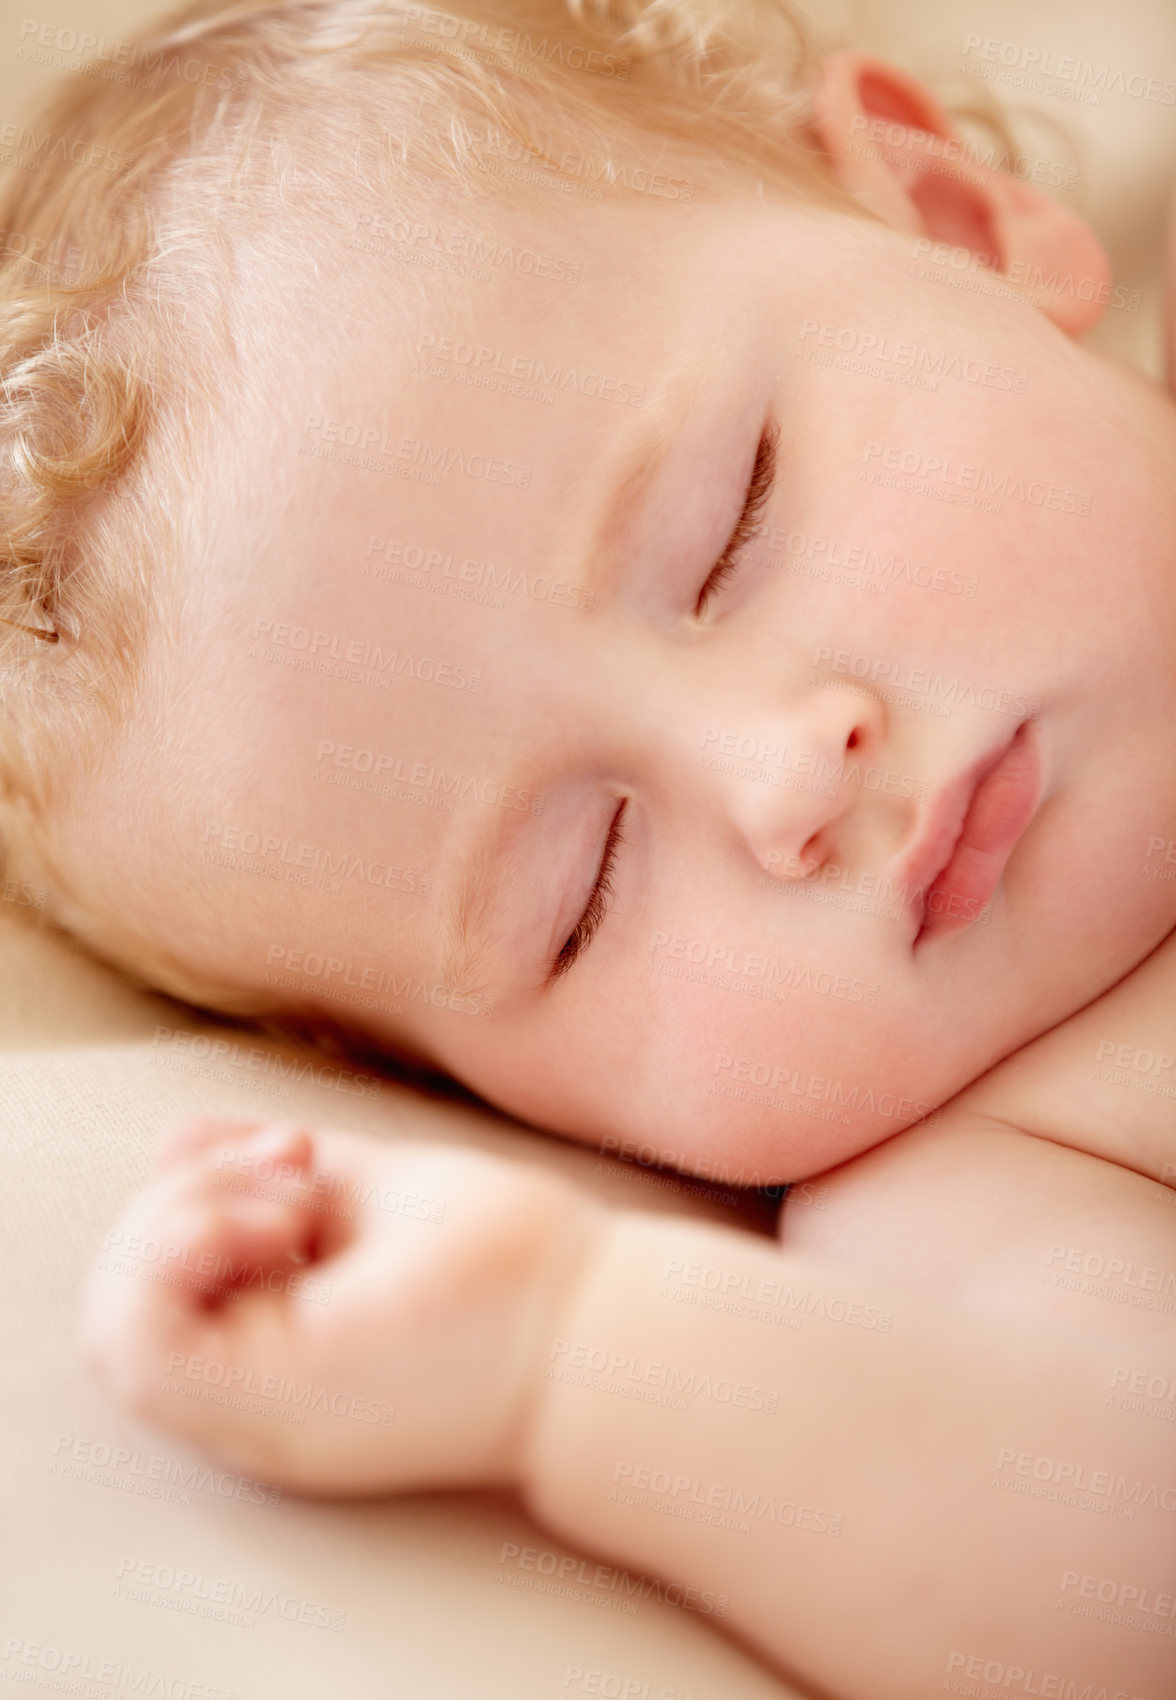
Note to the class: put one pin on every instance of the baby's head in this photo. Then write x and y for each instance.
(381, 492)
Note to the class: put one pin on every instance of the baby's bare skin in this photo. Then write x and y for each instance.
(970, 1432)
(936, 1389)
(1071, 1142)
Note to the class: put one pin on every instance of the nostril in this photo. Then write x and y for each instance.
(851, 743)
(811, 857)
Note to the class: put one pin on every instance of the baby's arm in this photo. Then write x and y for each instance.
(849, 1483)
(856, 1491)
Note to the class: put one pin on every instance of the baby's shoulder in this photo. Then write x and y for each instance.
(990, 1219)
(1103, 1082)
(1046, 1188)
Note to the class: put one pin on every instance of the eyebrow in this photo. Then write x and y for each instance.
(481, 868)
(479, 883)
(639, 466)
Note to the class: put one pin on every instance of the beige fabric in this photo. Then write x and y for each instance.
(91, 1069)
(90, 1075)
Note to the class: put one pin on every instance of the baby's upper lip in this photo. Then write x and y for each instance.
(942, 825)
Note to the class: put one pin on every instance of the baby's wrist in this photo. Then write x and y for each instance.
(573, 1244)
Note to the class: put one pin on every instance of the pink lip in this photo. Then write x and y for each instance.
(973, 829)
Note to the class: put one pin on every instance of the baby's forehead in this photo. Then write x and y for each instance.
(387, 401)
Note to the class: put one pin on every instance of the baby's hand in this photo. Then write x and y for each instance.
(332, 1313)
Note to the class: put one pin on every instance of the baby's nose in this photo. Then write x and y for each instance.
(786, 808)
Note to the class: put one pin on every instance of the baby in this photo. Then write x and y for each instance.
(585, 546)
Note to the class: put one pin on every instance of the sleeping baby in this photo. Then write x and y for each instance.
(583, 546)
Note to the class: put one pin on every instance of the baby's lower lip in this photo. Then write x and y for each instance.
(1004, 803)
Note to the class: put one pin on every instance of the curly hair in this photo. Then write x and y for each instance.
(130, 202)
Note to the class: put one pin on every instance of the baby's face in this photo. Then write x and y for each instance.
(439, 703)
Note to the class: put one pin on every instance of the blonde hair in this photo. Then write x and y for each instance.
(119, 268)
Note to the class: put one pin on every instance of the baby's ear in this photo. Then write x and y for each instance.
(891, 144)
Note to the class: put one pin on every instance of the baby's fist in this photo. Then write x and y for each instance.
(333, 1313)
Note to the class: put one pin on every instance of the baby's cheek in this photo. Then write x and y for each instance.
(782, 1095)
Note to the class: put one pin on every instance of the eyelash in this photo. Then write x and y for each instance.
(758, 490)
(585, 927)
